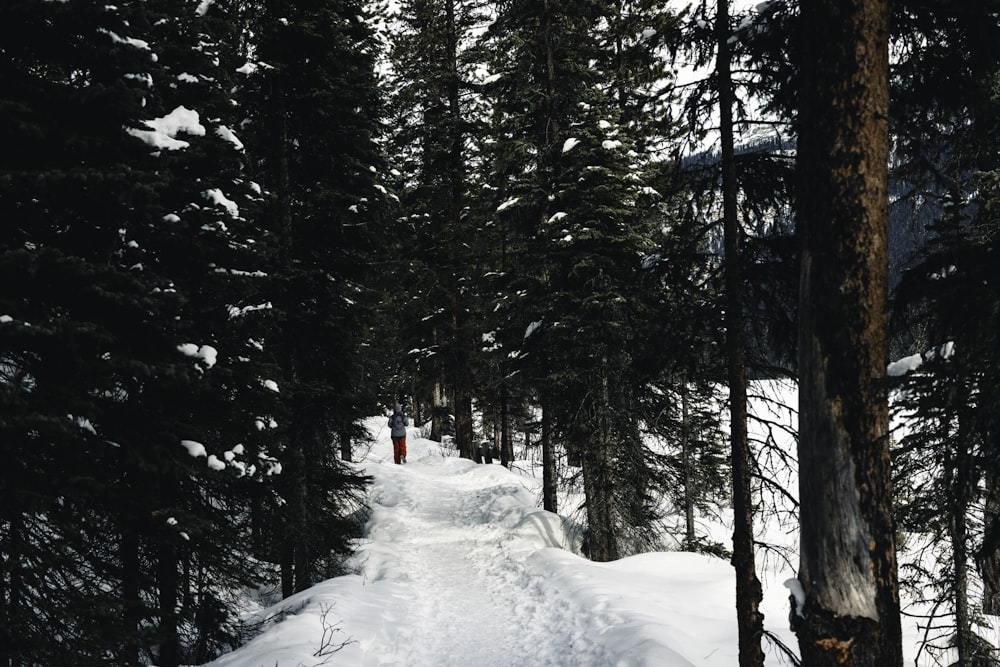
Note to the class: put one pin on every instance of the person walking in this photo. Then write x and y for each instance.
(397, 424)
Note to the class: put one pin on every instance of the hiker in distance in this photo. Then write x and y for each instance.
(397, 424)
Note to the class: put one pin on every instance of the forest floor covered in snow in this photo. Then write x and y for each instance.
(460, 567)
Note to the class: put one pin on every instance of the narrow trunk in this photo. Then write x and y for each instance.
(14, 613)
(131, 573)
(345, 443)
(6, 566)
(455, 113)
(206, 623)
(749, 620)
(960, 582)
(463, 420)
(551, 132)
(169, 650)
(437, 407)
(598, 482)
(259, 529)
(461, 372)
(287, 565)
(298, 507)
(186, 591)
(959, 481)
(548, 464)
(689, 537)
(167, 586)
(286, 245)
(849, 613)
(417, 398)
(462, 375)
(506, 442)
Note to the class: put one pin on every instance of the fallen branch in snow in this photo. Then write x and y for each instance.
(327, 645)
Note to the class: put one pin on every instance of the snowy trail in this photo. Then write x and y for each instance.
(447, 524)
(460, 567)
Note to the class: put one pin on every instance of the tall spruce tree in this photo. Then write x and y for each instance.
(945, 119)
(430, 63)
(122, 263)
(579, 209)
(313, 123)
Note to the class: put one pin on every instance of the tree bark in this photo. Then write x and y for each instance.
(437, 407)
(12, 606)
(597, 476)
(689, 537)
(345, 444)
(549, 494)
(506, 442)
(958, 481)
(748, 589)
(298, 504)
(286, 247)
(167, 585)
(287, 565)
(849, 614)
(462, 376)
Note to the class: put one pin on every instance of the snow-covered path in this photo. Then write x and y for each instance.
(457, 535)
(460, 567)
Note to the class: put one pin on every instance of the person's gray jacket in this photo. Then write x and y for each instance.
(397, 422)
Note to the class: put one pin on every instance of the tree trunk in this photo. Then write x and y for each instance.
(957, 479)
(463, 419)
(298, 505)
(167, 585)
(748, 589)
(417, 403)
(15, 614)
(345, 444)
(169, 649)
(549, 494)
(598, 482)
(461, 371)
(287, 564)
(283, 213)
(849, 614)
(506, 441)
(437, 407)
(462, 376)
(689, 536)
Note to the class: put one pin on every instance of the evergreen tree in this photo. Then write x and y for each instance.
(126, 270)
(945, 120)
(684, 358)
(313, 129)
(434, 117)
(761, 47)
(578, 207)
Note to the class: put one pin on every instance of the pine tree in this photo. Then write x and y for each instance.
(577, 209)
(945, 118)
(314, 126)
(121, 306)
(431, 61)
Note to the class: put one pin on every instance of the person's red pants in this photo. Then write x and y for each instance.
(398, 449)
